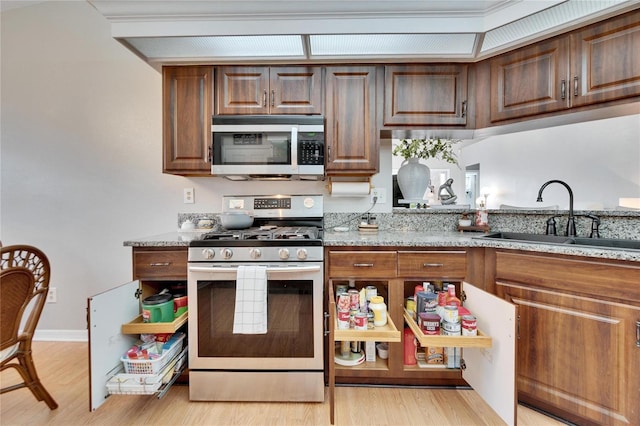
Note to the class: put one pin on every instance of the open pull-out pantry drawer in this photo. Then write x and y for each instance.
(489, 359)
(115, 324)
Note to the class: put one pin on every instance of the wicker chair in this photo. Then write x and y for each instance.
(24, 282)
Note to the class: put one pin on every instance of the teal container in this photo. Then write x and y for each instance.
(158, 308)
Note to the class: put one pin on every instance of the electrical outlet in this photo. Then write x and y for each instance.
(52, 295)
(189, 196)
(381, 193)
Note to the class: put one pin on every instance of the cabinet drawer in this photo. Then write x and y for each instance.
(432, 264)
(160, 264)
(364, 264)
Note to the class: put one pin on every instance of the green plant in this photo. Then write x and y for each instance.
(427, 148)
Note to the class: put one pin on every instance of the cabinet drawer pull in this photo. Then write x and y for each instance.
(638, 334)
(433, 265)
(363, 265)
(563, 90)
(160, 264)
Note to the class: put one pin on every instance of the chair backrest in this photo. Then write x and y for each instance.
(24, 283)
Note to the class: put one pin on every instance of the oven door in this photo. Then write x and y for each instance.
(294, 319)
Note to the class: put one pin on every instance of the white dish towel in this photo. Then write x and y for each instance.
(250, 314)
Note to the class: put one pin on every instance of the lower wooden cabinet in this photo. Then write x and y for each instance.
(579, 335)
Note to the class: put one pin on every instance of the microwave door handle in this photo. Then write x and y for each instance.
(311, 268)
(294, 149)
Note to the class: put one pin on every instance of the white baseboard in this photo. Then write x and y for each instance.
(61, 335)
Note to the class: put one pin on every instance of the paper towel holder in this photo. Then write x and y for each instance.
(349, 187)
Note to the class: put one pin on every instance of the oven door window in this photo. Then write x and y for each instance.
(252, 148)
(289, 321)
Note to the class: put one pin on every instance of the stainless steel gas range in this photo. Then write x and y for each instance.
(255, 304)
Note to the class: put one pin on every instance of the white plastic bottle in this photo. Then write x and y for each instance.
(379, 309)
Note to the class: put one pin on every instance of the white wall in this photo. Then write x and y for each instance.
(599, 160)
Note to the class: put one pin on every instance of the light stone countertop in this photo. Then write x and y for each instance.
(412, 239)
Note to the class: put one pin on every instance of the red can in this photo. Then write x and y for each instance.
(469, 325)
(354, 299)
(360, 321)
(343, 320)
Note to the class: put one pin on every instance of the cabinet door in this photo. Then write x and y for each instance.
(577, 357)
(242, 90)
(425, 95)
(106, 312)
(605, 61)
(492, 371)
(187, 106)
(351, 133)
(295, 90)
(529, 81)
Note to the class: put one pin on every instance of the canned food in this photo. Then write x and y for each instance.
(429, 323)
(343, 320)
(450, 313)
(370, 291)
(417, 289)
(442, 298)
(354, 299)
(469, 325)
(453, 328)
(343, 301)
(341, 288)
(410, 304)
(360, 321)
(352, 317)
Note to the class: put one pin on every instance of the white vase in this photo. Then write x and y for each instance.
(413, 179)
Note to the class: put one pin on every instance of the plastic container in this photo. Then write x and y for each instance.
(158, 308)
(383, 350)
(379, 309)
(154, 366)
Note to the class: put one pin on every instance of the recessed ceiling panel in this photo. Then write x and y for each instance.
(218, 46)
(545, 20)
(391, 44)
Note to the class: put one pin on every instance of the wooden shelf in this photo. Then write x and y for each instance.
(137, 326)
(387, 333)
(479, 341)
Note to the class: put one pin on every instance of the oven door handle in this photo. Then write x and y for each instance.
(314, 268)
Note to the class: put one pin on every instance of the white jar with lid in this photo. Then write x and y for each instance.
(379, 309)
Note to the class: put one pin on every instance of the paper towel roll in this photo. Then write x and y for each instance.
(350, 189)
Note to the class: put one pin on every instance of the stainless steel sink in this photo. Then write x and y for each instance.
(554, 239)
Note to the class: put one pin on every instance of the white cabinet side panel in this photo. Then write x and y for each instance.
(106, 313)
(492, 371)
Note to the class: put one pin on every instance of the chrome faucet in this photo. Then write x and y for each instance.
(571, 222)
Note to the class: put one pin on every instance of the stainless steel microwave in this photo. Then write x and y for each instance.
(268, 147)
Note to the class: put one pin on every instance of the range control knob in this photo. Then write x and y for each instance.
(301, 253)
(255, 253)
(208, 253)
(283, 253)
(226, 253)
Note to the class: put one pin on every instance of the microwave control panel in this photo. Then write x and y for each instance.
(310, 152)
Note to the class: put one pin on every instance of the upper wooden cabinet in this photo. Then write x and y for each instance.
(424, 95)
(351, 134)
(269, 90)
(530, 81)
(605, 63)
(597, 64)
(187, 105)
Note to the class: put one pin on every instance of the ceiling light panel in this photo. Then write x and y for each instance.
(547, 19)
(391, 44)
(219, 46)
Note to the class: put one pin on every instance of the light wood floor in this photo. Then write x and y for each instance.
(63, 368)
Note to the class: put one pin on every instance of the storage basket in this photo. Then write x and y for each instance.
(153, 366)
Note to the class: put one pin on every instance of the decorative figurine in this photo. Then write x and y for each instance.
(448, 197)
